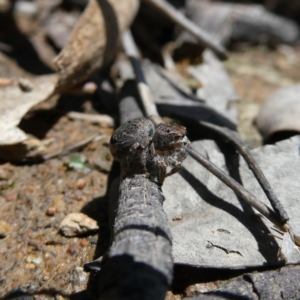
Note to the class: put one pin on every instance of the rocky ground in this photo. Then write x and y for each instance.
(37, 260)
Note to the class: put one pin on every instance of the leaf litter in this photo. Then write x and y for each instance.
(36, 198)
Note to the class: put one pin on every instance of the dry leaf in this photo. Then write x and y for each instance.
(15, 103)
(92, 45)
(93, 42)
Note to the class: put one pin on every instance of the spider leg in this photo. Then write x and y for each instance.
(162, 170)
(174, 170)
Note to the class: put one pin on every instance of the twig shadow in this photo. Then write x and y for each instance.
(267, 245)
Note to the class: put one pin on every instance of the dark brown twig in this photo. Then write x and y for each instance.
(233, 138)
(238, 189)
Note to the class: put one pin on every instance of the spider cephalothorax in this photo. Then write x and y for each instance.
(170, 146)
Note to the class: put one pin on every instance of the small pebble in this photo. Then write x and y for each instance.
(30, 266)
(10, 197)
(80, 184)
(48, 256)
(59, 297)
(80, 275)
(45, 278)
(4, 229)
(72, 250)
(30, 188)
(51, 211)
(26, 8)
(77, 223)
(58, 202)
(92, 146)
(35, 259)
(89, 88)
(84, 242)
(6, 170)
(177, 218)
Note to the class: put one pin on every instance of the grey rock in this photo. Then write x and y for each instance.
(279, 284)
(217, 89)
(239, 289)
(216, 107)
(219, 230)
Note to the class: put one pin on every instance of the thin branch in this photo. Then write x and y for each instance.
(237, 188)
(94, 118)
(202, 36)
(73, 147)
(233, 138)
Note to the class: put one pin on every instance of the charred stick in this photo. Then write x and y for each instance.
(139, 263)
(202, 36)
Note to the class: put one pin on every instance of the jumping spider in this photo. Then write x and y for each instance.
(143, 149)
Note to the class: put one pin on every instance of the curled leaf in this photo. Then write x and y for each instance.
(93, 42)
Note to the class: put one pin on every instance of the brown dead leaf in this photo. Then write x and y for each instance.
(92, 45)
(93, 42)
